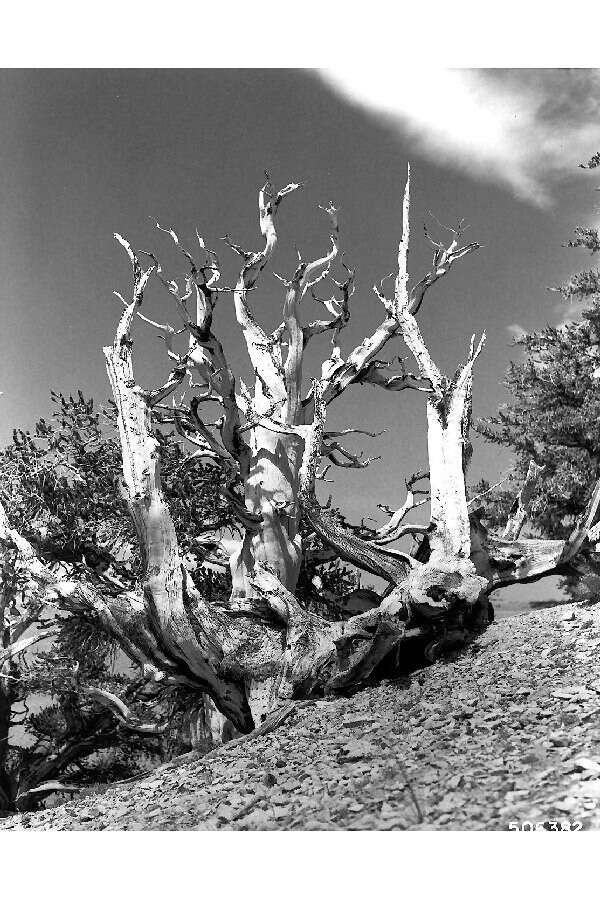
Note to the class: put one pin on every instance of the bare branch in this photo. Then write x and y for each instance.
(254, 419)
(304, 277)
(338, 308)
(261, 349)
(169, 331)
(579, 534)
(405, 304)
(400, 318)
(594, 533)
(50, 787)
(401, 285)
(521, 507)
(140, 280)
(175, 378)
(245, 254)
(395, 528)
(338, 373)
(310, 277)
(206, 359)
(465, 375)
(402, 382)
(335, 434)
(349, 460)
(122, 712)
(442, 262)
(190, 426)
(122, 343)
(140, 277)
(390, 565)
(251, 522)
(487, 491)
(212, 267)
(20, 646)
(313, 444)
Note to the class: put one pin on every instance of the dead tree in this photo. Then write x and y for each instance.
(262, 648)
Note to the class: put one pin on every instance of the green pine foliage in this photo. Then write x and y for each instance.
(553, 415)
(59, 485)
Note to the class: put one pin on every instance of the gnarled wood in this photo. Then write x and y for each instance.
(521, 507)
(261, 649)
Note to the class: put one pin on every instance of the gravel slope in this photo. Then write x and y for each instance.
(508, 730)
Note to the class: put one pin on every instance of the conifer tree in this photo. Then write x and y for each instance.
(553, 416)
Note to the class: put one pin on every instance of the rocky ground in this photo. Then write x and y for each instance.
(505, 731)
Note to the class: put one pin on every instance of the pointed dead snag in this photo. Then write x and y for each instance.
(521, 507)
(262, 648)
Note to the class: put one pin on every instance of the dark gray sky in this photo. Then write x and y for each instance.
(86, 153)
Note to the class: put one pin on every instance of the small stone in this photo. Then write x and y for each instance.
(587, 764)
(587, 789)
(354, 752)
(431, 724)
(269, 779)
(351, 721)
(88, 815)
(565, 693)
(447, 805)
(282, 812)
(224, 812)
(292, 784)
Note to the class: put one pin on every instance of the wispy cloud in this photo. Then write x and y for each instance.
(516, 331)
(563, 313)
(523, 128)
(567, 313)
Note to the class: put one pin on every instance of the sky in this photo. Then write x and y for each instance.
(85, 153)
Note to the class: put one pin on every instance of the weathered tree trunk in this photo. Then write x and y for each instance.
(6, 781)
(271, 493)
(207, 727)
(262, 648)
(449, 534)
(175, 620)
(12, 642)
(271, 489)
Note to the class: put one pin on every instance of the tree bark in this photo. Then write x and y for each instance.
(7, 787)
(449, 534)
(271, 495)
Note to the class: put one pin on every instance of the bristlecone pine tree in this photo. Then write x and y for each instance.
(552, 422)
(259, 648)
(58, 487)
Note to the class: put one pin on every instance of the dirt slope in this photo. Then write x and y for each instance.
(506, 731)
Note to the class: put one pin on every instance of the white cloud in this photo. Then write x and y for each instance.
(516, 331)
(567, 313)
(563, 313)
(524, 128)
